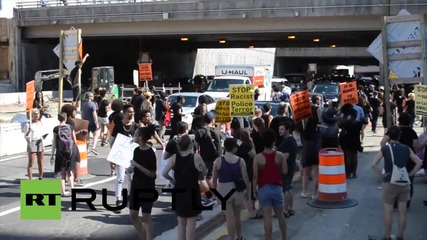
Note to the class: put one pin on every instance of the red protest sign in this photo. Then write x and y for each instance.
(145, 73)
(301, 107)
(29, 90)
(348, 91)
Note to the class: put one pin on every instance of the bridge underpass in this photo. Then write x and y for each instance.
(115, 34)
(174, 60)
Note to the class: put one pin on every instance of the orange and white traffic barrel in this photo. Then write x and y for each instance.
(82, 170)
(332, 189)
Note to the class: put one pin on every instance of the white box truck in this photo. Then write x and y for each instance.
(257, 75)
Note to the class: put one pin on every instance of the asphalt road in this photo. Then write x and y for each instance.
(361, 222)
(83, 223)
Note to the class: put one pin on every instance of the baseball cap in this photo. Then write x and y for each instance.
(209, 117)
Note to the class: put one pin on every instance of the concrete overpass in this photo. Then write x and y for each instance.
(115, 33)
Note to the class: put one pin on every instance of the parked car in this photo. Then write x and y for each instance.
(274, 106)
(329, 90)
(191, 102)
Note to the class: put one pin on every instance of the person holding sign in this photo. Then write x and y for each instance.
(127, 127)
(34, 134)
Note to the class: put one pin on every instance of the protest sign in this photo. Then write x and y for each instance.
(122, 151)
(421, 100)
(348, 92)
(301, 107)
(29, 89)
(242, 100)
(222, 110)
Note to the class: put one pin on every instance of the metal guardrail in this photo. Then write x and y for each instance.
(62, 3)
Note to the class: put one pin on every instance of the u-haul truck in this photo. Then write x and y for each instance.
(245, 74)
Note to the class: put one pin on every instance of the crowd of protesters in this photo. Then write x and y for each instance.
(257, 155)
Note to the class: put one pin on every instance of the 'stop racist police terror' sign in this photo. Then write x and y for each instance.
(242, 100)
(421, 100)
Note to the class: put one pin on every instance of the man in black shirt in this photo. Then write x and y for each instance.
(177, 114)
(74, 76)
(161, 113)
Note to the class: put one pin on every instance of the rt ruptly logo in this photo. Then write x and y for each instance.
(40, 200)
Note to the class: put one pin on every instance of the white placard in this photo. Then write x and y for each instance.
(400, 31)
(122, 151)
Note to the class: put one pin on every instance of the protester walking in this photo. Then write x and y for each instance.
(396, 155)
(269, 166)
(62, 149)
(143, 183)
(104, 108)
(71, 112)
(89, 114)
(34, 134)
(289, 149)
(189, 170)
(349, 139)
(115, 116)
(160, 110)
(127, 127)
(199, 113)
(229, 172)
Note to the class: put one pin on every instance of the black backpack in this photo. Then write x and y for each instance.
(65, 141)
(209, 142)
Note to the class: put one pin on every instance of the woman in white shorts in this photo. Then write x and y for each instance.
(228, 169)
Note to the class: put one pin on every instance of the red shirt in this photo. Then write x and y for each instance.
(270, 173)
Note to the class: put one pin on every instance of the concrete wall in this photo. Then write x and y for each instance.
(12, 137)
(203, 10)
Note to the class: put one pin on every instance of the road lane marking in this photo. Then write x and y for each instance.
(20, 156)
(15, 209)
(4, 213)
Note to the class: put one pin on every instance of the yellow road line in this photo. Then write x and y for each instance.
(244, 215)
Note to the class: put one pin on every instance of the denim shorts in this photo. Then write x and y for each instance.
(270, 196)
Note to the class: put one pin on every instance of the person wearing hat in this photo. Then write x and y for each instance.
(210, 144)
(177, 115)
(329, 129)
(349, 139)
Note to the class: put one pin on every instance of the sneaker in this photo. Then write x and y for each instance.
(304, 195)
(78, 182)
(113, 173)
(313, 197)
(199, 217)
(52, 161)
(66, 194)
(169, 186)
(208, 202)
(94, 152)
(118, 203)
(102, 144)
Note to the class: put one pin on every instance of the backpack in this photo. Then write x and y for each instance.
(65, 141)
(399, 175)
(210, 144)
